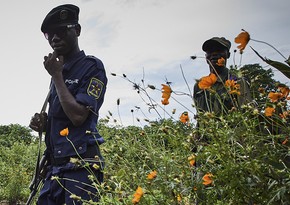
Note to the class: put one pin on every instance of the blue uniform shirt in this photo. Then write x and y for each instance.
(86, 79)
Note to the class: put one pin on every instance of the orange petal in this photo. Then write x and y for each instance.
(64, 132)
(243, 38)
(269, 111)
(207, 81)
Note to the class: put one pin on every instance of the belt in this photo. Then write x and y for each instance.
(92, 151)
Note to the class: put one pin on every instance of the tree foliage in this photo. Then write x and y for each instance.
(9, 134)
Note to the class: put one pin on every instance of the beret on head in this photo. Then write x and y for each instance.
(60, 16)
(216, 42)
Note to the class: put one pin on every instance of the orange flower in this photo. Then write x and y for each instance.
(137, 195)
(285, 141)
(221, 62)
(243, 39)
(261, 90)
(269, 111)
(274, 97)
(207, 179)
(184, 117)
(233, 87)
(165, 101)
(191, 160)
(152, 175)
(284, 90)
(284, 114)
(64, 132)
(166, 92)
(207, 81)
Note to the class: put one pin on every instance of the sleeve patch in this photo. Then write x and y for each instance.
(95, 88)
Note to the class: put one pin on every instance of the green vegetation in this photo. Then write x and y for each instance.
(241, 157)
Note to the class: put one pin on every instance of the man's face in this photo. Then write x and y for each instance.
(63, 39)
(217, 58)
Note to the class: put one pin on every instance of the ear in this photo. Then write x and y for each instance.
(228, 54)
(78, 29)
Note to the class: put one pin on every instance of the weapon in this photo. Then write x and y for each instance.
(39, 176)
(37, 180)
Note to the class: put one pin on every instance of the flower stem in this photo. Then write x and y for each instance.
(270, 46)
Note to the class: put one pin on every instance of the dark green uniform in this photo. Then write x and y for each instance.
(218, 100)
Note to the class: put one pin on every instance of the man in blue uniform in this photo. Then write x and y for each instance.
(77, 92)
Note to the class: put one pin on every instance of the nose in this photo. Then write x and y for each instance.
(55, 36)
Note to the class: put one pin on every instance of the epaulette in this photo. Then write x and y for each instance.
(95, 60)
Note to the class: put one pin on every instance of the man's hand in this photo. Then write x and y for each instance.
(38, 122)
(53, 63)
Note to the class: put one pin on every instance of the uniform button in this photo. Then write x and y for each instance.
(80, 148)
(59, 152)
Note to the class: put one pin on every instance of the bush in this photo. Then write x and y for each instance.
(17, 167)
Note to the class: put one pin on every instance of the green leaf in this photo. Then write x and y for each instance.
(285, 69)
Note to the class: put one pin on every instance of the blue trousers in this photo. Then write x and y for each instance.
(70, 181)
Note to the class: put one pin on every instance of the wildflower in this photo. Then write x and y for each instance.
(164, 129)
(209, 114)
(75, 197)
(178, 198)
(284, 114)
(233, 87)
(54, 178)
(284, 90)
(285, 141)
(74, 160)
(91, 177)
(166, 92)
(274, 97)
(95, 166)
(151, 87)
(137, 195)
(191, 160)
(207, 81)
(64, 132)
(269, 111)
(207, 179)
(152, 175)
(243, 39)
(261, 90)
(97, 157)
(184, 117)
(173, 111)
(255, 112)
(221, 62)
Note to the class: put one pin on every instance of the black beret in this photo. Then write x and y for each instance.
(60, 16)
(215, 42)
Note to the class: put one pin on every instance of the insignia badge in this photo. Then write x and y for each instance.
(95, 88)
(63, 14)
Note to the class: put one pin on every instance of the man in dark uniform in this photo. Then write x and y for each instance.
(218, 101)
(77, 92)
(218, 49)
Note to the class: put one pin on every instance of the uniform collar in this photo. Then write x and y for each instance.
(223, 75)
(75, 58)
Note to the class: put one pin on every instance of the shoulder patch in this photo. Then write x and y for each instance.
(95, 88)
